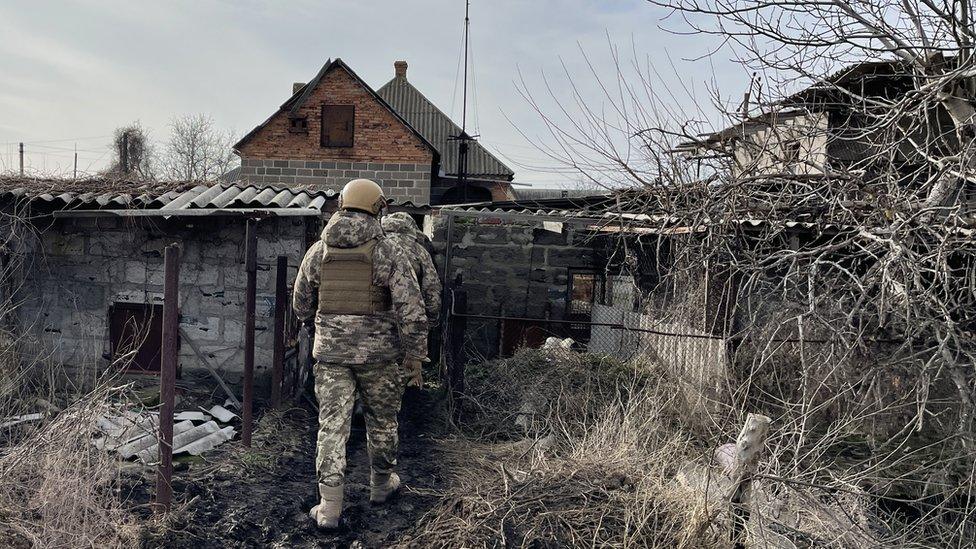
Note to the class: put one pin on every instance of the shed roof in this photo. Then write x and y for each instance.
(438, 128)
(155, 199)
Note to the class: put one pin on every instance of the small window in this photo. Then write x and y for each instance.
(338, 122)
(298, 125)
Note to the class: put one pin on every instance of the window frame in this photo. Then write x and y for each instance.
(325, 140)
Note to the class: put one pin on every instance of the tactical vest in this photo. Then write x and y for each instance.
(346, 282)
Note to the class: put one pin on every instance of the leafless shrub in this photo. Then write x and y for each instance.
(849, 280)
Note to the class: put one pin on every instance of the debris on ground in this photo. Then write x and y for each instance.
(260, 496)
(17, 420)
(135, 434)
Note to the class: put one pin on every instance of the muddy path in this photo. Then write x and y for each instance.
(261, 498)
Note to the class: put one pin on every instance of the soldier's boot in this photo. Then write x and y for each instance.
(326, 513)
(382, 486)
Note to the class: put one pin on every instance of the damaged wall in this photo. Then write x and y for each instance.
(87, 264)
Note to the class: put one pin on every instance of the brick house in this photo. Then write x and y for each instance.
(336, 128)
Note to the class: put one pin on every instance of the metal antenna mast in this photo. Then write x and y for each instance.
(464, 138)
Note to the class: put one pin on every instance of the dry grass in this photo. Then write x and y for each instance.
(59, 489)
(596, 467)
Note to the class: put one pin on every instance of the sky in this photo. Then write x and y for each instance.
(73, 71)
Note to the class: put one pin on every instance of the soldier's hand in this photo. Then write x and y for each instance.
(415, 372)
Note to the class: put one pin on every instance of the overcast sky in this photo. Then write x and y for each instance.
(71, 72)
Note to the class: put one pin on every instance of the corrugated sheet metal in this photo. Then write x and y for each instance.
(542, 194)
(437, 127)
(603, 217)
(215, 196)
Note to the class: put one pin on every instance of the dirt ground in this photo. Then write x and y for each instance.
(261, 498)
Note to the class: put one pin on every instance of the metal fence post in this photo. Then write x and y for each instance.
(281, 298)
(455, 374)
(167, 378)
(250, 266)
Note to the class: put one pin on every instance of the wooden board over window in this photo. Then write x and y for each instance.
(338, 122)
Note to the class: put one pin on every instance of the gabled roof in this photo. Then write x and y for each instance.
(438, 128)
(298, 99)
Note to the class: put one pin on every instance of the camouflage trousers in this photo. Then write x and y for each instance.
(380, 388)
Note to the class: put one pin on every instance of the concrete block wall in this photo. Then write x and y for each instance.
(403, 182)
(511, 269)
(85, 265)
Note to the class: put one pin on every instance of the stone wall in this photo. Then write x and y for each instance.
(511, 269)
(87, 264)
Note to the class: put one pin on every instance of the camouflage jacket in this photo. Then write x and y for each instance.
(358, 339)
(401, 229)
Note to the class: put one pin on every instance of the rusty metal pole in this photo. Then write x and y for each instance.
(250, 266)
(167, 378)
(281, 302)
(455, 374)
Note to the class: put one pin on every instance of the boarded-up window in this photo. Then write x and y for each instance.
(338, 122)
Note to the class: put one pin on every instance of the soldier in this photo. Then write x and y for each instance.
(401, 228)
(362, 291)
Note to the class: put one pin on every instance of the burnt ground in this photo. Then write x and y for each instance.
(261, 497)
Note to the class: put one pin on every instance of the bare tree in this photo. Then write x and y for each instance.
(197, 150)
(133, 152)
(831, 216)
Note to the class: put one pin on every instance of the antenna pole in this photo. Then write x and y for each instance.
(464, 100)
(463, 138)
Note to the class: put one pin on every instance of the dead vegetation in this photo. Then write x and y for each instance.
(60, 490)
(585, 453)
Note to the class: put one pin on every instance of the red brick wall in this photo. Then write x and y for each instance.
(379, 136)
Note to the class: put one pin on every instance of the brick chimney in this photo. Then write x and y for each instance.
(400, 67)
(297, 86)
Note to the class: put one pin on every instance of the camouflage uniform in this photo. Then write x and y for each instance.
(401, 228)
(358, 354)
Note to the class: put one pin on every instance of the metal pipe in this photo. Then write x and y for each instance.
(167, 377)
(250, 266)
(281, 298)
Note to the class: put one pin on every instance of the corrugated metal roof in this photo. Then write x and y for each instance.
(199, 197)
(604, 217)
(437, 127)
(533, 193)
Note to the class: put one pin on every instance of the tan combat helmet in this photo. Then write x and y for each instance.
(363, 195)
